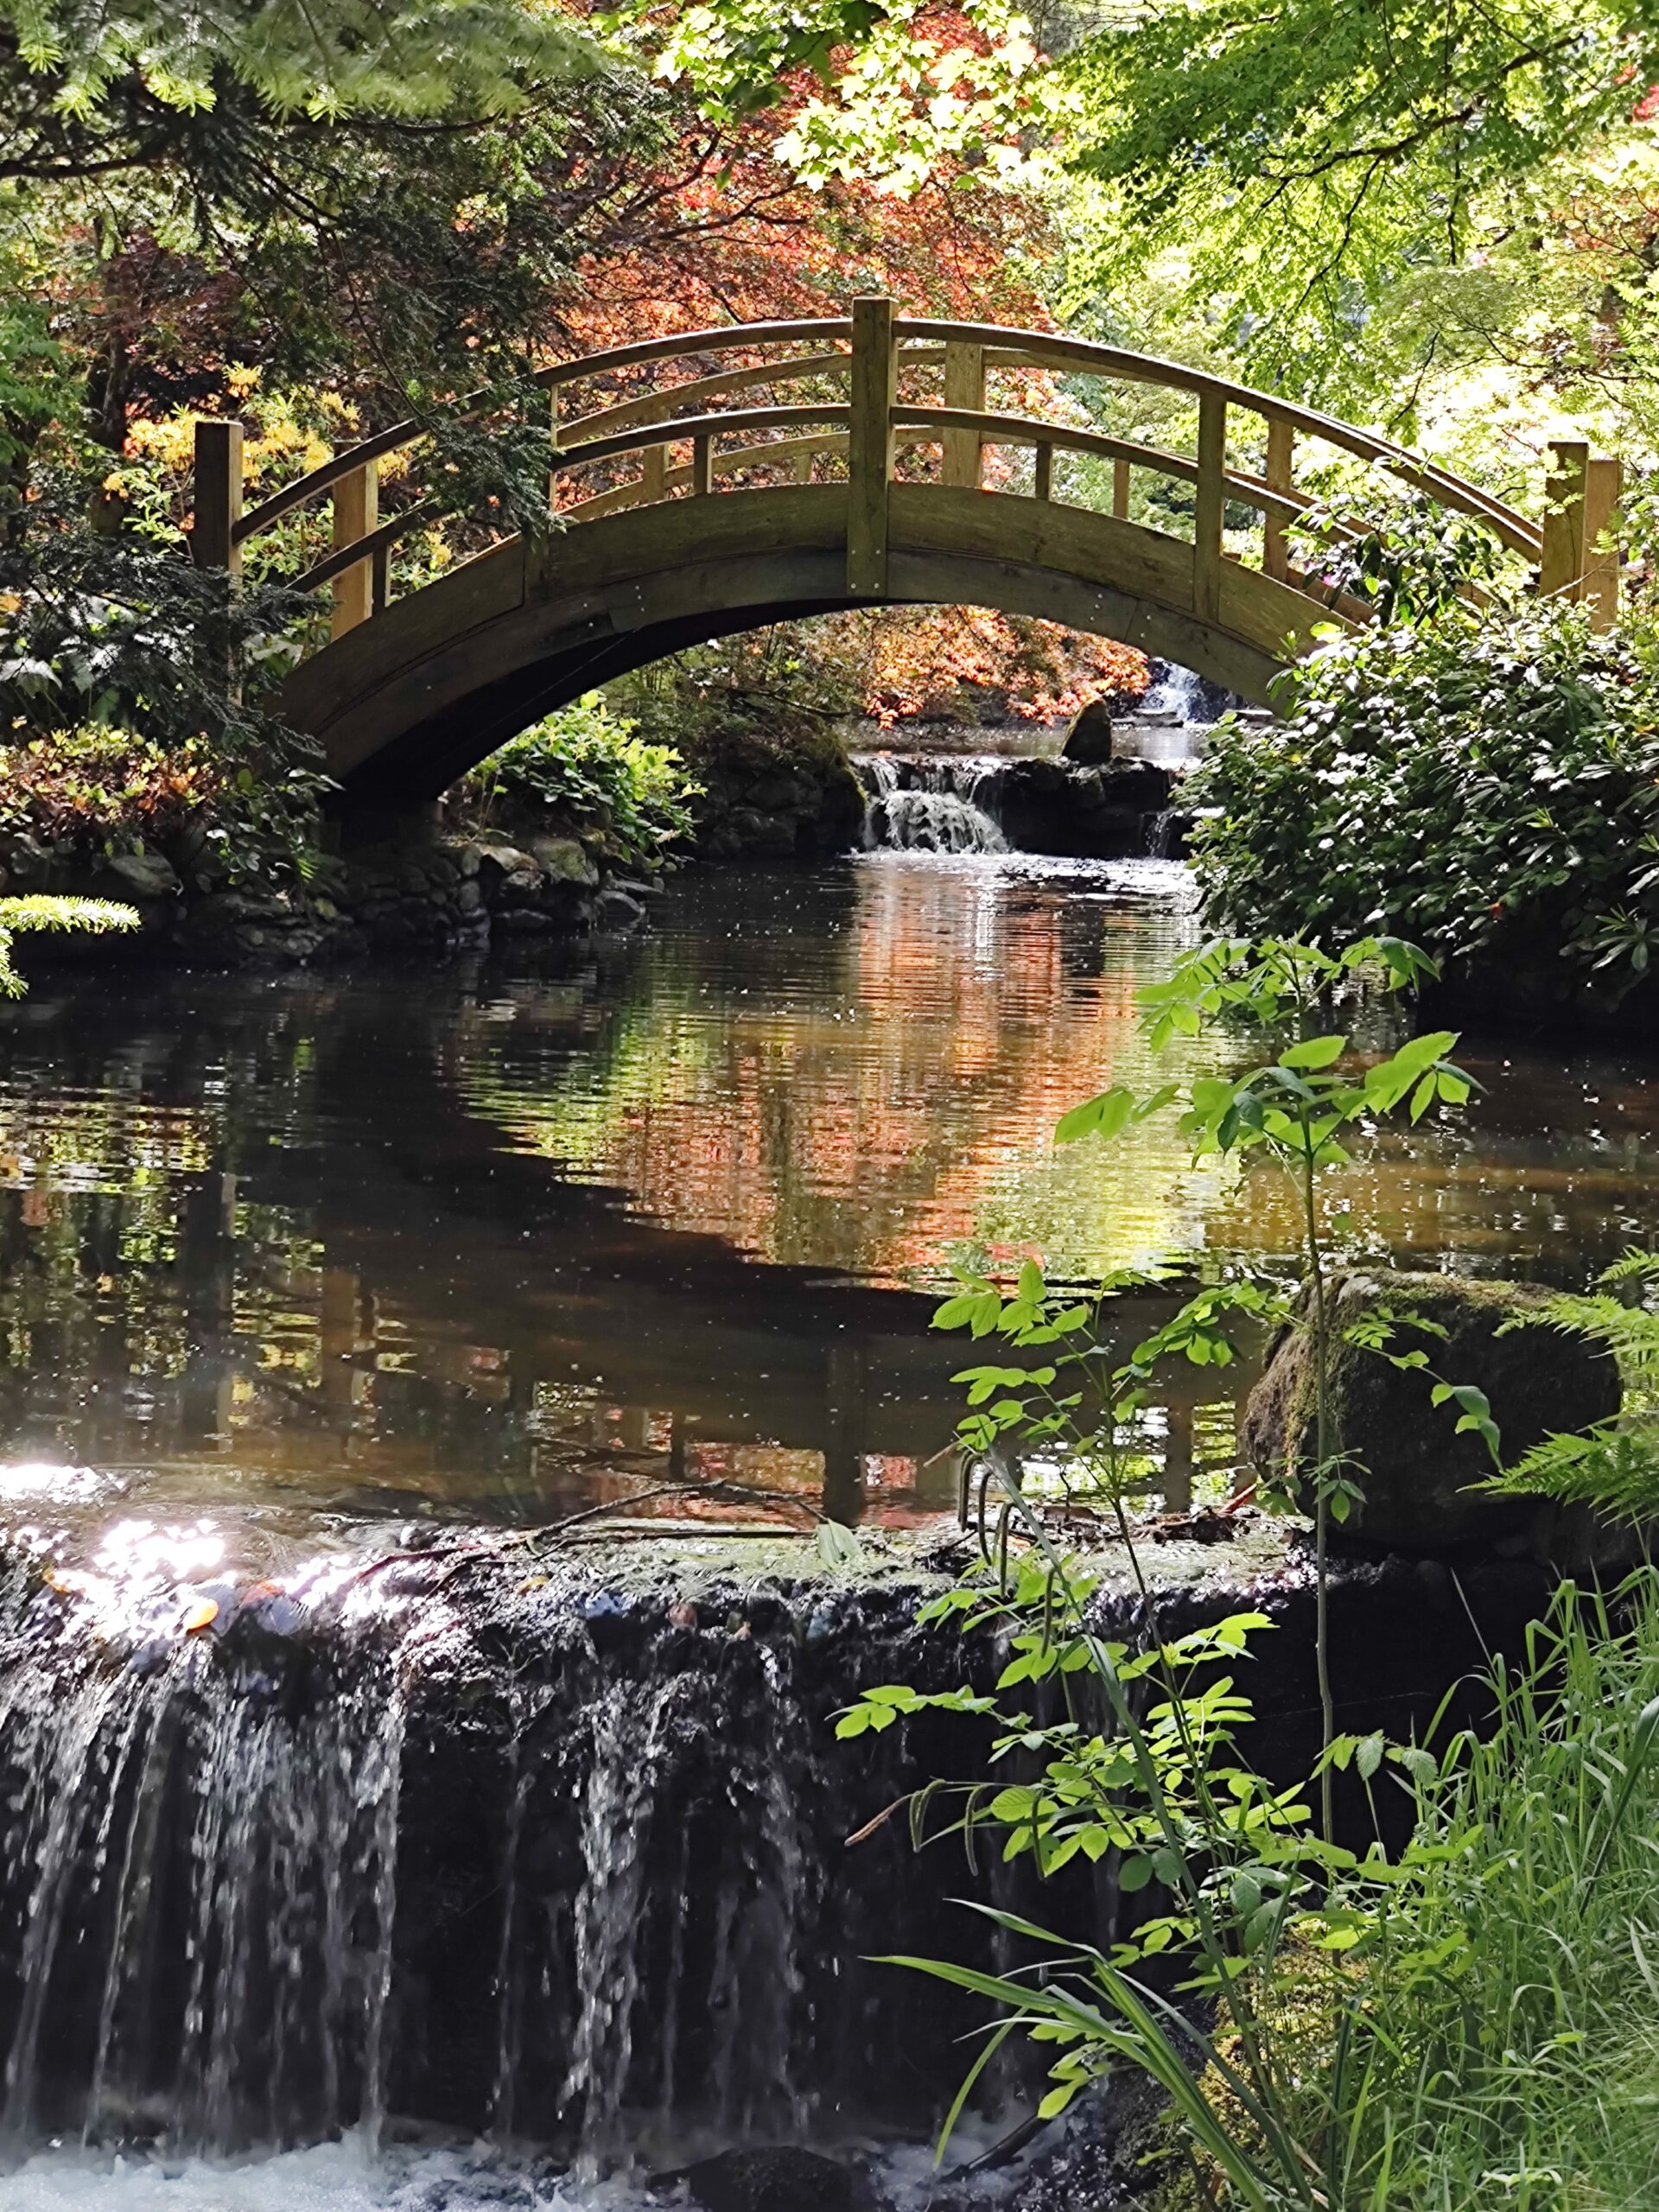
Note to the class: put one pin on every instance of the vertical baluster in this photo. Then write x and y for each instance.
(1121, 490)
(1280, 469)
(702, 464)
(218, 497)
(1211, 508)
(653, 475)
(1044, 472)
(964, 387)
(357, 512)
(870, 447)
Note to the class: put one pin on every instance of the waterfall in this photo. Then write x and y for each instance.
(543, 1865)
(928, 806)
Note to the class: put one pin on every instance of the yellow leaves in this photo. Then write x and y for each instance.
(242, 377)
(199, 1616)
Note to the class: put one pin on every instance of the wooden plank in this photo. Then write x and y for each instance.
(357, 512)
(964, 386)
(1602, 483)
(717, 340)
(1561, 563)
(218, 497)
(1065, 540)
(659, 406)
(1121, 488)
(1280, 474)
(1044, 473)
(1263, 613)
(1211, 508)
(703, 476)
(874, 387)
(653, 473)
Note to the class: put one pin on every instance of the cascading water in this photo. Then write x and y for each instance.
(928, 804)
(440, 1843)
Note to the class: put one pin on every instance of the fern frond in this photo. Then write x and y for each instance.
(1633, 1265)
(38, 910)
(1630, 1334)
(1613, 1466)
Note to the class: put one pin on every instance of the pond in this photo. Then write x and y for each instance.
(286, 1257)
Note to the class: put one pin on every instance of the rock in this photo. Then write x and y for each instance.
(616, 909)
(767, 836)
(499, 864)
(1092, 813)
(137, 875)
(1415, 1472)
(772, 2181)
(565, 860)
(1089, 741)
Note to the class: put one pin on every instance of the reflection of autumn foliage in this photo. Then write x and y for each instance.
(936, 662)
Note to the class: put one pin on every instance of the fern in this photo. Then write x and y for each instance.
(38, 910)
(1613, 1466)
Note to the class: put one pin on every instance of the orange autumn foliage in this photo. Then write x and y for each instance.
(936, 663)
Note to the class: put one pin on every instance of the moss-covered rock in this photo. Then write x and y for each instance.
(1416, 1473)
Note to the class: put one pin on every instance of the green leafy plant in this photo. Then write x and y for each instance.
(585, 771)
(1488, 789)
(1412, 560)
(37, 911)
(134, 689)
(1265, 1910)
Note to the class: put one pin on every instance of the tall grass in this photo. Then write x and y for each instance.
(1506, 2020)
(1473, 2025)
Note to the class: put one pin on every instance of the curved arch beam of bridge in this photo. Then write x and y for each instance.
(406, 703)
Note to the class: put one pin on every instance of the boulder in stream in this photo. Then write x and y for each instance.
(774, 2181)
(1089, 741)
(1416, 1472)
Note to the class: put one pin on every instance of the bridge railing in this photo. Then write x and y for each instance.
(855, 406)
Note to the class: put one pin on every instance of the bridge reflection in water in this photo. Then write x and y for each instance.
(492, 1249)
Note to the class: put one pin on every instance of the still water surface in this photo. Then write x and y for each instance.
(474, 1245)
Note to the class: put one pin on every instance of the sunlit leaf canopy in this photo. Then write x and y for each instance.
(409, 58)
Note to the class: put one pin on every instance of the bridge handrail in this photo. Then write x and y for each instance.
(329, 473)
(721, 339)
(1004, 348)
(700, 426)
(871, 350)
(1038, 349)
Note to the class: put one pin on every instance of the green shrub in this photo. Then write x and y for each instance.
(585, 771)
(1482, 784)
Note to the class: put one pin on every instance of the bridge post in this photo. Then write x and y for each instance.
(356, 511)
(964, 386)
(1279, 475)
(869, 446)
(218, 496)
(1211, 506)
(1581, 507)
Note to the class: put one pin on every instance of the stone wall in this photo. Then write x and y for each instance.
(771, 799)
(435, 896)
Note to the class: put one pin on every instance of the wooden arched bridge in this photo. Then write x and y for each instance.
(683, 511)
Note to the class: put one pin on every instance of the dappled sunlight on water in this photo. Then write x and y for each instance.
(316, 1254)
